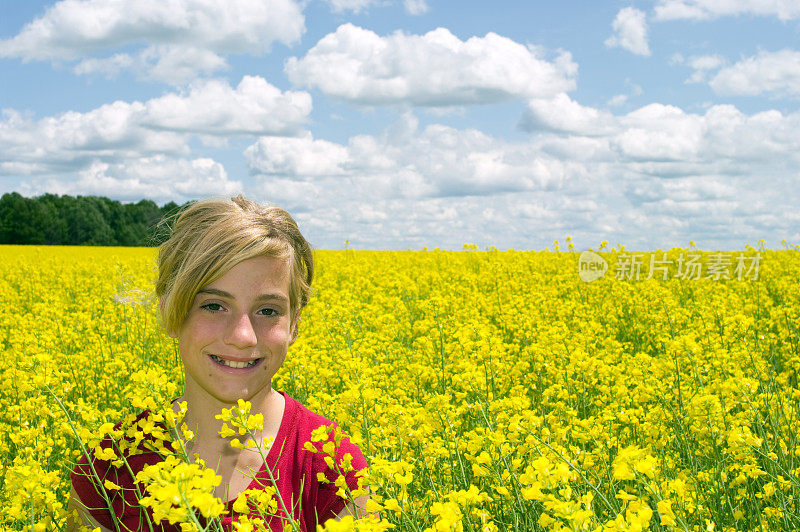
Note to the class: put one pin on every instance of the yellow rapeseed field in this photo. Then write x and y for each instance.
(489, 390)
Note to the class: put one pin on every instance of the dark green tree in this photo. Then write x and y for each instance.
(22, 220)
(83, 220)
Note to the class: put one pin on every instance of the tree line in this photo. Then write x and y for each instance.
(81, 220)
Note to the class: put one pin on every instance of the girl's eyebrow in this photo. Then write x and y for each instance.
(215, 292)
(223, 293)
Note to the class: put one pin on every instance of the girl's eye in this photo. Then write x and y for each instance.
(268, 312)
(213, 307)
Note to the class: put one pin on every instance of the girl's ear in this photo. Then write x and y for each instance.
(294, 327)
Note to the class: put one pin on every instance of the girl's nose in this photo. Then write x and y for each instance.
(241, 334)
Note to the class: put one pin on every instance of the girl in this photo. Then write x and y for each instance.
(233, 279)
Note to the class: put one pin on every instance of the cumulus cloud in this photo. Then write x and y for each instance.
(711, 9)
(775, 73)
(435, 69)
(110, 66)
(437, 161)
(658, 133)
(184, 37)
(171, 64)
(297, 157)
(563, 114)
(723, 140)
(163, 125)
(654, 140)
(72, 139)
(665, 140)
(406, 162)
(703, 65)
(657, 170)
(630, 31)
(706, 62)
(158, 177)
(141, 149)
(213, 107)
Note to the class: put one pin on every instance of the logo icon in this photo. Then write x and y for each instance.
(591, 266)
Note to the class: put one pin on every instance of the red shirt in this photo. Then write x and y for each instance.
(294, 468)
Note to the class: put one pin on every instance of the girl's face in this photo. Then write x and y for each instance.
(237, 332)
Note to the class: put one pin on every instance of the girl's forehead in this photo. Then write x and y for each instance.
(260, 270)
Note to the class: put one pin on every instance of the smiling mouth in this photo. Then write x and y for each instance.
(233, 363)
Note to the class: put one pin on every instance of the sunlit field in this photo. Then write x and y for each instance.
(489, 390)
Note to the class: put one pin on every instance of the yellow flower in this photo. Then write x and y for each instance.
(647, 466)
(110, 485)
(320, 433)
(393, 505)
(308, 446)
(226, 431)
(665, 512)
(346, 524)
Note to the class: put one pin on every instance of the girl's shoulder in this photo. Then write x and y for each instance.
(303, 422)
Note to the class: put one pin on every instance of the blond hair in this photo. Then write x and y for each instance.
(212, 236)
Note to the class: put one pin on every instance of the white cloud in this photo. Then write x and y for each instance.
(703, 66)
(665, 140)
(303, 156)
(356, 6)
(404, 162)
(72, 139)
(630, 31)
(710, 9)
(412, 7)
(563, 114)
(658, 133)
(171, 64)
(158, 178)
(617, 100)
(212, 107)
(416, 7)
(110, 66)
(656, 176)
(775, 73)
(184, 37)
(654, 140)
(706, 62)
(668, 141)
(178, 64)
(658, 171)
(122, 130)
(134, 150)
(435, 69)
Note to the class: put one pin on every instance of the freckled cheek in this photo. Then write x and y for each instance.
(277, 334)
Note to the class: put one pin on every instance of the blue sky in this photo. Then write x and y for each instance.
(398, 124)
